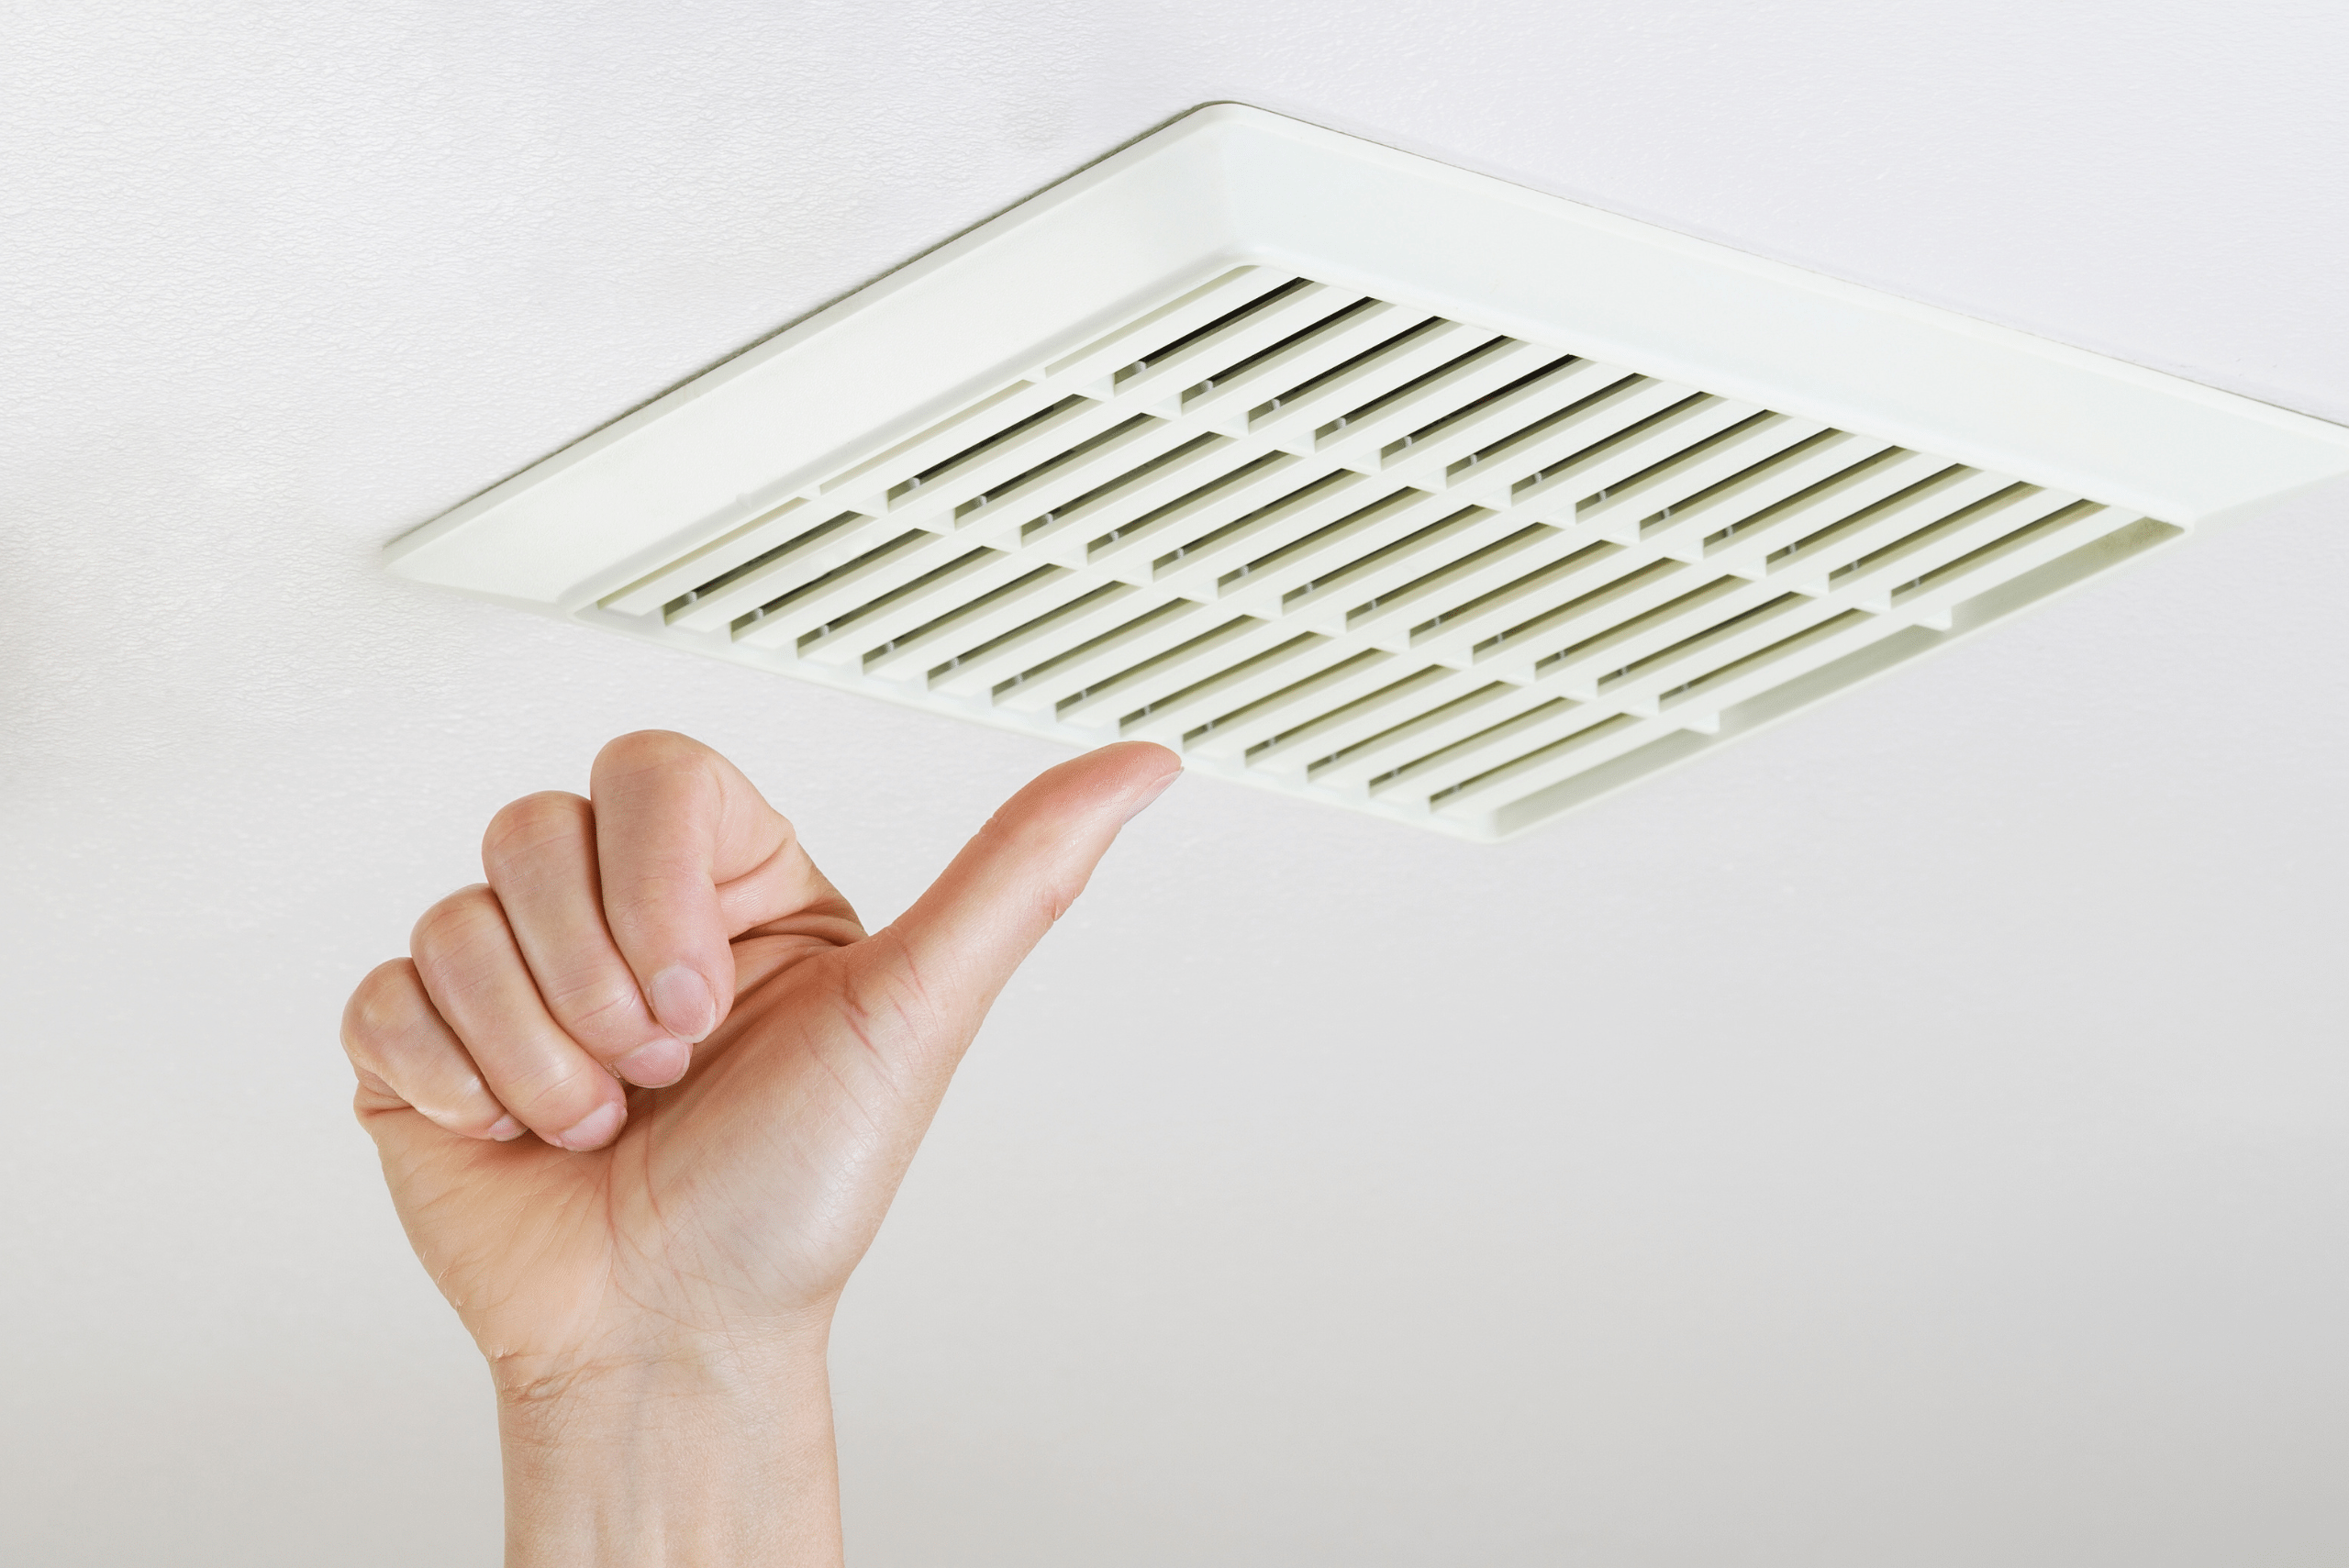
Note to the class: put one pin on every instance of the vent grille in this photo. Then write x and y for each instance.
(1340, 545)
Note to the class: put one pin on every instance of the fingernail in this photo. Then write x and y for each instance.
(1152, 793)
(680, 1000)
(595, 1130)
(505, 1130)
(657, 1065)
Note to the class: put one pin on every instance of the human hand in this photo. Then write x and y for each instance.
(657, 1266)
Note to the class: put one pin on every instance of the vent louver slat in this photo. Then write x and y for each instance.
(1344, 546)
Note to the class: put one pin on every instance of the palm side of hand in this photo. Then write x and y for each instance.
(727, 1206)
(735, 1201)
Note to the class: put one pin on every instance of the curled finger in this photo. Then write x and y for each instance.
(473, 972)
(407, 1056)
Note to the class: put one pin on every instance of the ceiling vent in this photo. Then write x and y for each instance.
(1359, 477)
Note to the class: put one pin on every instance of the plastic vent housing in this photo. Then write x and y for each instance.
(1411, 522)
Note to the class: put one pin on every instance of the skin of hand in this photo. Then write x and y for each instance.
(643, 1100)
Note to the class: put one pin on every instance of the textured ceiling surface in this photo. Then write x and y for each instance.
(1919, 1135)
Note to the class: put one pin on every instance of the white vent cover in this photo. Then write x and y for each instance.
(1359, 477)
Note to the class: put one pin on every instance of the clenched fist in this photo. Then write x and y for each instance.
(643, 1101)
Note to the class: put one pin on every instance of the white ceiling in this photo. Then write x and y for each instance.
(1917, 1136)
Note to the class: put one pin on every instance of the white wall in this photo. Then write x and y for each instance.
(1917, 1136)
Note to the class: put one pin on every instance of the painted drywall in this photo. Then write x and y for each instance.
(1919, 1135)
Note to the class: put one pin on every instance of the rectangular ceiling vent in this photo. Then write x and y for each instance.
(1409, 522)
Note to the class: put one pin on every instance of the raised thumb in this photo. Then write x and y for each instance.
(964, 936)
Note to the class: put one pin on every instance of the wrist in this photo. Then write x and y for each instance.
(707, 1453)
(713, 1367)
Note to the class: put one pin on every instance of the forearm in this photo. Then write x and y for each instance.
(720, 1467)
